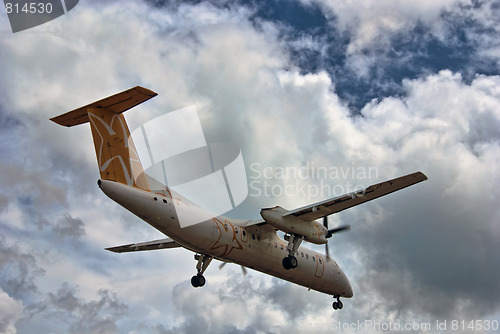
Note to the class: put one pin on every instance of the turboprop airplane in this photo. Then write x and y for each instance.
(252, 244)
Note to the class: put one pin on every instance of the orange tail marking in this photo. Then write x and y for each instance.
(116, 153)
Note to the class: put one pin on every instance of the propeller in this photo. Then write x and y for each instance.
(243, 269)
(331, 232)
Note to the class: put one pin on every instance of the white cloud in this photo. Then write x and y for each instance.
(373, 26)
(371, 21)
(10, 312)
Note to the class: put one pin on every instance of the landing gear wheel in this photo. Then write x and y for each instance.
(194, 281)
(290, 262)
(338, 304)
(286, 263)
(198, 281)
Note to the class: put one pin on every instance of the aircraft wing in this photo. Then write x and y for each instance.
(145, 246)
(330, 206)
(260, 226)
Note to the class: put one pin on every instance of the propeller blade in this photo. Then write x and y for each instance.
(325, 221)
(327, 251)
(338, 229)
(243, 269)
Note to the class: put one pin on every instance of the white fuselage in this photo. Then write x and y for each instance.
(229, 240)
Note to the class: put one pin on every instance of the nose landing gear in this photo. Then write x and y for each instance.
(338, 304)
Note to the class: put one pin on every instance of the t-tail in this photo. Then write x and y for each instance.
(117, 156)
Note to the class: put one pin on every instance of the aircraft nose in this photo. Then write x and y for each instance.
(346, 286)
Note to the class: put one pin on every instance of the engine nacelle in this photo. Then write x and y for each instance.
(311, 230)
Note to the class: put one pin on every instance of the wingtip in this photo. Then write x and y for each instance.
(424, 177)
(146, 91)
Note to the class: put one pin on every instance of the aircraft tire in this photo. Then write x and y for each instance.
(289, 262)
(198, 281)
(194, 281)
(286, 263)
(201, 280)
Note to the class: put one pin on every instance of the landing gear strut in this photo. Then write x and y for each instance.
(291, 262)
(198, 280)
(338, 304)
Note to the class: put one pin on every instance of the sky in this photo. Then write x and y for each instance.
(350, 87)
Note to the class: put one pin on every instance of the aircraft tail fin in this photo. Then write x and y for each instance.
(117, 157)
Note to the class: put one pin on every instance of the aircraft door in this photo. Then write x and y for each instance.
(320, 266)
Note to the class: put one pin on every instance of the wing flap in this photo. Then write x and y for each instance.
(145, 246)
(321, 209)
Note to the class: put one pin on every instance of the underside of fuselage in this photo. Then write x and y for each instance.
(230, 240)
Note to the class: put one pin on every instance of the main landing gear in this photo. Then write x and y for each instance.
(198, 280)
(338, 304)
(291, 262)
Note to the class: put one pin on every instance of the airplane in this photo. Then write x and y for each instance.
(253, 244)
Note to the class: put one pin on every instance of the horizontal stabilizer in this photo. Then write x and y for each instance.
(330, 206)
(117, 104)
(145, 246)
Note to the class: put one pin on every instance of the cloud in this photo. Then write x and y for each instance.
(69, 227)
(425, 243)
(79, 315)
(373, 23)
(10, 311)
(370, 47)
(408, 255)
(19, 271)
(242, 305)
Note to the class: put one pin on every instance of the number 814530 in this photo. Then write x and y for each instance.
(29, 8)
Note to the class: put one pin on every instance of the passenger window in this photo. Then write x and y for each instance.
(307, 256)
(258, 237)
(302, 254)
(281, 246)
(314, 259)
(319, 260)
(236, 230)
(275, 245)
(253, 236)
(244, 233)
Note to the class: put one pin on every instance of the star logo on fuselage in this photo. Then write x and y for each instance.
(226, 231)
